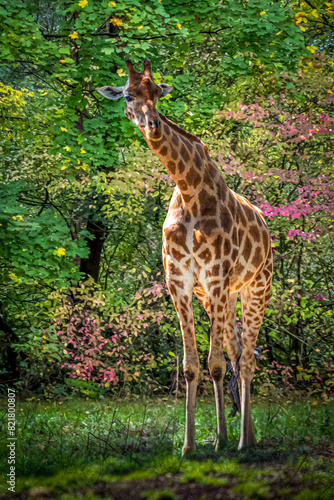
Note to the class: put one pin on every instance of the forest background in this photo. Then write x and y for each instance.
(83, 303)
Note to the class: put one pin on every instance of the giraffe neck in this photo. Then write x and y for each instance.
(187, 160)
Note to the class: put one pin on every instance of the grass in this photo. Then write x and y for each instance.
(131, 449)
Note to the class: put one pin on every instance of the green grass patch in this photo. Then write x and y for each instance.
(78, 444)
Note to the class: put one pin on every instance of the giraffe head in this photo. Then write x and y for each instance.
(141, 95)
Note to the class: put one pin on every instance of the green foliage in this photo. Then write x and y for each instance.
(82, 196)
(159, 495)
(252, 490)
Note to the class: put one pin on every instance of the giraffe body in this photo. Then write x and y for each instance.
(215, 244)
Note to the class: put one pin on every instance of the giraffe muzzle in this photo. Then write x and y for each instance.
(153, 130)
(154, 123)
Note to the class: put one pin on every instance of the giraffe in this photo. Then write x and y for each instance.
(216, 244)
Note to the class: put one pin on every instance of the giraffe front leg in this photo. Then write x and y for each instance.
(218, 373)
(247, 437)
(217, 363)
(182, 299)
(191, 370)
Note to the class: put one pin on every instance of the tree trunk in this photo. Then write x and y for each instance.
(91, 265)
(8, 352)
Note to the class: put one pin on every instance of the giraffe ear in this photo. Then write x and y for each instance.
(166, 89)
(111, 92)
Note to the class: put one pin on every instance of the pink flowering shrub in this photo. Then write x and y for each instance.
(121, 352)
(87, 351)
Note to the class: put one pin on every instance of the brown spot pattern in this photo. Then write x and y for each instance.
(217, 245)
(184, 154)
(247, 249)
(206, 256)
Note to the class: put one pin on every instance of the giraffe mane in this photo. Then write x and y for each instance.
(180, 130)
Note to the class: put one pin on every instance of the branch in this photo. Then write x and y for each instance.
(117, 35)
(63, 216)
(45, 201)
(37, 76)
(13, 117)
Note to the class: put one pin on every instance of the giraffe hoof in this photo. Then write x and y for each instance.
(187, 449)
(220, 443)
(250, 443)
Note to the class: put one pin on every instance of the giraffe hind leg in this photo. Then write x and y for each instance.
(254, 299)
(232, 344)
(217, 363)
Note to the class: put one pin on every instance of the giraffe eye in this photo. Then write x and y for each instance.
(128, 98)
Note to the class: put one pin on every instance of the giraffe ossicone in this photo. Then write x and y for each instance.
(216, 244)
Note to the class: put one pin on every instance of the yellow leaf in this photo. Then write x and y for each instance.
(74, 35)
(83, 3)
(60, 251)
(178, 26)
(279, 33)
(63, 129)
(63, 167)
(112, 4)
(116, 21)
(140, 27)
(121, 72)
(312, 48)
(262, 13)
(82, 151)
(302, 28)
(67, 148)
